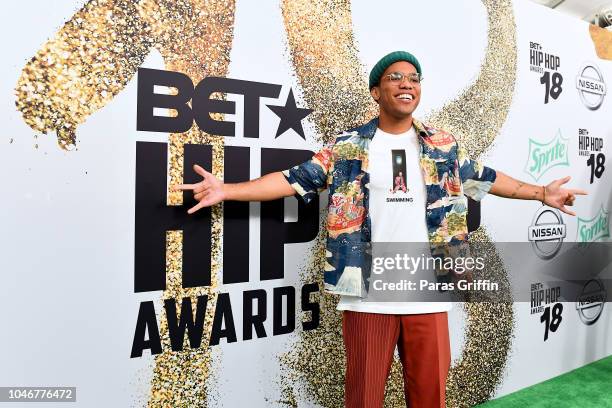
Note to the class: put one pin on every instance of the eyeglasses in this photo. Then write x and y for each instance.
(398, 77)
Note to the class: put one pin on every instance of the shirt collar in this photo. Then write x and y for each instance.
(369, 129)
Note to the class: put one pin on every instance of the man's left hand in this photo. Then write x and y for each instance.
(559, 197)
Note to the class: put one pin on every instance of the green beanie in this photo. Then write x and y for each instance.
(389, 59)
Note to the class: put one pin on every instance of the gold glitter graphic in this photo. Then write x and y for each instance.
(326, 62)
(478, 113)
(488, 335)
(194, 37)
(87, 63)
(324, 55)
(602, 40)
(172, 369)
(476, 117)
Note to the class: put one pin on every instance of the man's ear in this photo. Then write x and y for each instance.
(375, 93)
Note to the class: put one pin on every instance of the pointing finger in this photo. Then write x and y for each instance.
(578, 191)
(182, 187)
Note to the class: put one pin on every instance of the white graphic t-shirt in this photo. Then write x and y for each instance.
(397, 210)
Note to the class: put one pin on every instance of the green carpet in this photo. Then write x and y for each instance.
(586, 387)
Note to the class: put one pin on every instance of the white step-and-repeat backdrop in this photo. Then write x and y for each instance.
(110, 287)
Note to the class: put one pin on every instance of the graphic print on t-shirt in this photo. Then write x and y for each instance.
(399, 190)
(398, 159)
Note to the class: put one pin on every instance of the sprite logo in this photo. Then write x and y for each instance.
(544, 156)
(594, 229)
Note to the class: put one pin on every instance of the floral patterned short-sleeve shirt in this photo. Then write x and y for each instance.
(342, 168)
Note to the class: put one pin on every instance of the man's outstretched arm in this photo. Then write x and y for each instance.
(552, 194)
(211, 190)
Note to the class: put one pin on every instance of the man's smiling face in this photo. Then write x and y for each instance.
(397, 100)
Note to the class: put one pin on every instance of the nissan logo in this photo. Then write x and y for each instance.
(591, 86)
(546, 232)
(590, 302)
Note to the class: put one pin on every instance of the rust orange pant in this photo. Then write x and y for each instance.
(424, 349)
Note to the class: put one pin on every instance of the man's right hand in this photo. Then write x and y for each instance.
(211, 190)
(207, 192)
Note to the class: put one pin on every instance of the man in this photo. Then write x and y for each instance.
(356, 169)
(400, 184)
